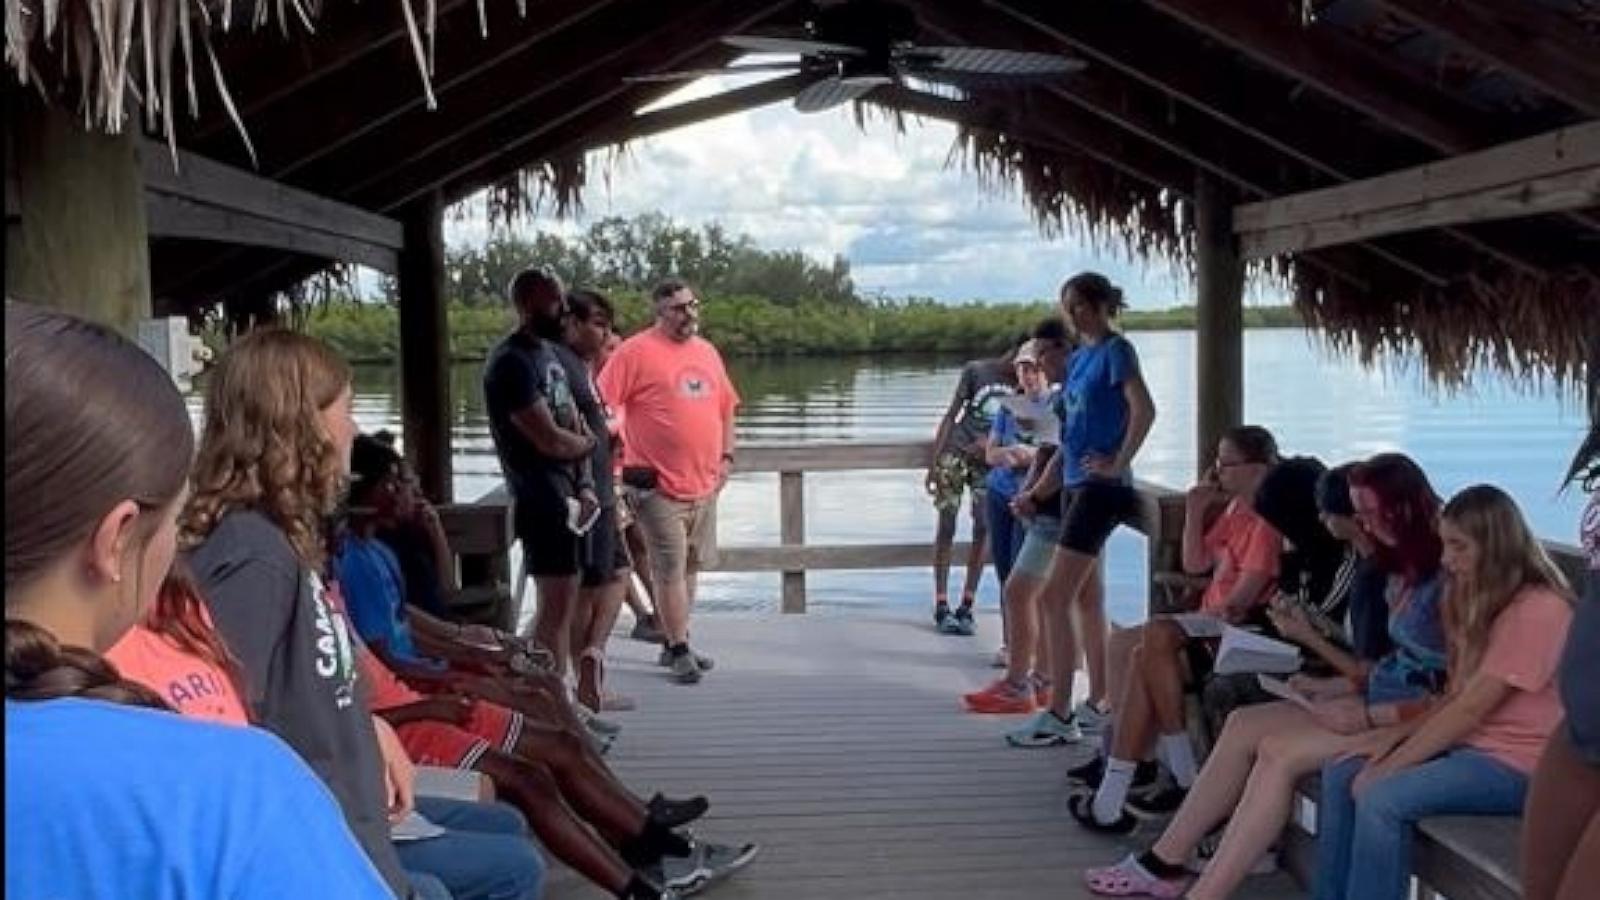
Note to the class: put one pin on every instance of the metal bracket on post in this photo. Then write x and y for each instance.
(168, 340)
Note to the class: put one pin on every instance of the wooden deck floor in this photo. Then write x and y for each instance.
(839, 744)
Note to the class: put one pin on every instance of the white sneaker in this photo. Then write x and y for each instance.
(1002, 659)
(1044, 729)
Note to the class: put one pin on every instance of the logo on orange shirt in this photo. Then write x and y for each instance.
(695, 383)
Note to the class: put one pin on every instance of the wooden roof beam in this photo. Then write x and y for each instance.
(263, 70)
(205, 200)
(368, 112)
(492, 144)
(1529, 41)
(1550, 173)
(1198, 139)
(1144, 45)
(1339, 66)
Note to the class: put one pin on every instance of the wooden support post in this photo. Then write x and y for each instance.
(792, 533)
(1219, 317)
(425, 347)
(75, 217)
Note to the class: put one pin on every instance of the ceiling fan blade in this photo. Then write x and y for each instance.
(988, 61)
(831, 92)
(758, 44)
(691, 74)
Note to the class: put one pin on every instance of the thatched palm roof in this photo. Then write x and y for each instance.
(384, 104)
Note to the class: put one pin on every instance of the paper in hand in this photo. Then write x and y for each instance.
(413, 828)
(1198, 625)
(1277, 687)
(576, 522)
(1036, 416)
(1242, 651)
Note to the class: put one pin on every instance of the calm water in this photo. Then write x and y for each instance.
(1315, 403)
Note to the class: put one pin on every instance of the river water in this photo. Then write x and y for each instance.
(1314, 401)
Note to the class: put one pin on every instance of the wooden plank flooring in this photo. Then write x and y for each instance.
(839, 744)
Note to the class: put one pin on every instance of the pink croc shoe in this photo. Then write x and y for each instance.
(1129, 879)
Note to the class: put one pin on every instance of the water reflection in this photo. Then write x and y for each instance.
(1315, 404)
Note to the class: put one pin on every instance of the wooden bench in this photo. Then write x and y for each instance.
(1459, 857)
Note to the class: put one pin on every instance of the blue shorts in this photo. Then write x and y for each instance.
(1038, 547)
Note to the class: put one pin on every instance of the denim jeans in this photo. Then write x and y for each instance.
(1005, 534)
(1364, 845)
(487, 854)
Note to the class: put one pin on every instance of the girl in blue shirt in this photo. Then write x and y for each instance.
(108, 793)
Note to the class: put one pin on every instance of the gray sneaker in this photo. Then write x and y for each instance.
(645, 630)
(685, 670)
(706, 663)
(706, 864)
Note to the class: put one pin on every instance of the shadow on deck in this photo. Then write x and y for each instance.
(840, 745)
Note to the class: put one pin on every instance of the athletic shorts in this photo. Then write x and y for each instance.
(1038, 547)
(605, 553)
(489, 727)
(1091, 511)
(954, 473)
(548, 546)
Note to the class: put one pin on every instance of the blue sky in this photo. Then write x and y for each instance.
(911, 222)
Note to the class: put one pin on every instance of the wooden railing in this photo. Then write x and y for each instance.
(481, 532)
(792, 556)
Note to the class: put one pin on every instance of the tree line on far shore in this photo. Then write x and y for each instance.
(756, 302)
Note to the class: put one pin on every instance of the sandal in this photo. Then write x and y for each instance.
(1082, 808)
(1129, 879)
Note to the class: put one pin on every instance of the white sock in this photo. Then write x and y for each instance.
(1107, 806)
(1178, 754)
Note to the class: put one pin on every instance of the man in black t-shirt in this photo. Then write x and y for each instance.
(544, 446)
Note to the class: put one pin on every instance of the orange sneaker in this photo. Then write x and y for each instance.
(1001, 698)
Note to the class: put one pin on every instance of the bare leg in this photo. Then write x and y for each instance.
(1282, 758)
(979, 551)
(1222, 779)
(599, 798)
(533, 791)
(1022, 625)
(1135, 733)
(601, 606)
(1119, 661)
(1163, 672)
(639, 552)
(1069, 571)
(1563, 814)
(943, 538)
(1090, 611)
(558, 594)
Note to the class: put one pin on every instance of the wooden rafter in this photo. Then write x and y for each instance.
(1548, 173)
(1339, 66)
(497, 145)
(1531, 42)
(206, 200)
(1152, 49)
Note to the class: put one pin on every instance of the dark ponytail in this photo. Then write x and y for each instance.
(92, 422)
(38, 667)
(1096, 289)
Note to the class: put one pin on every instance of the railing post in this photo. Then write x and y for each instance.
(792, 533)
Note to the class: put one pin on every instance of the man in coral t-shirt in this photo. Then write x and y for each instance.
(672, 394)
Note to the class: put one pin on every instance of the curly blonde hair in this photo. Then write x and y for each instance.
(263, 446)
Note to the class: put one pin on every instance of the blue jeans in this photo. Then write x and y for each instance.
(1364, 845)
(1005, 534)
(486, 856)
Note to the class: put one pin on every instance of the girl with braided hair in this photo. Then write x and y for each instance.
(108, 793)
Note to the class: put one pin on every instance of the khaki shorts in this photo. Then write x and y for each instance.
(681, 534)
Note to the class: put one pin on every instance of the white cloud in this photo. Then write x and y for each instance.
(910, 222)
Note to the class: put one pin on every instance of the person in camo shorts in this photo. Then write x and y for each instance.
(958, 467)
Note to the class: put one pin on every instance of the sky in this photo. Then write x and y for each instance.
(911, 221)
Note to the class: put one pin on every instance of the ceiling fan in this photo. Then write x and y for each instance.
(855, 47)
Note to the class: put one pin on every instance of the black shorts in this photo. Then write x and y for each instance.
(549, 548)
(1091, 511)
(605, 554)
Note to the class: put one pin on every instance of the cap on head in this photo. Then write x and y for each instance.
(1028, 352)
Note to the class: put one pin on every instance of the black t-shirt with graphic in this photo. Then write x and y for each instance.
(984, 383)
(299, 669)
(523, 370)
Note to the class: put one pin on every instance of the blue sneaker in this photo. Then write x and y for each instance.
(964, 623)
